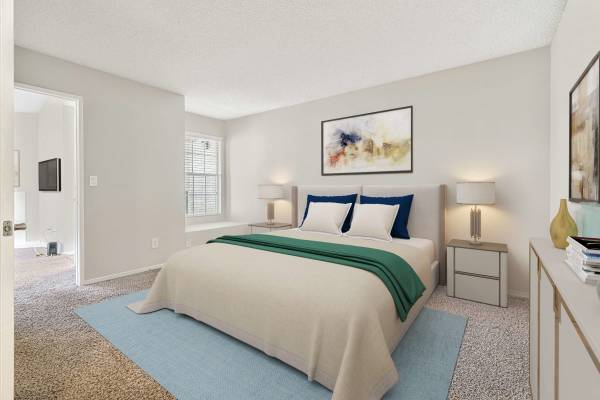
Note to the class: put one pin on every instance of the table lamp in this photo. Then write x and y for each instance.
(475, 193)
(271, 193)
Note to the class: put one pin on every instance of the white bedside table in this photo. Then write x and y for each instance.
(478, 272)
(259, 227)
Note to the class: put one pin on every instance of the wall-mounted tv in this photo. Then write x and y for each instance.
(49, 175)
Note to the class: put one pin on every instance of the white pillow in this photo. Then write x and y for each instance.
(326, 217)
(373, 221)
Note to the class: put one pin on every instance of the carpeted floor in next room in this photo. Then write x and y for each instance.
(58, 356)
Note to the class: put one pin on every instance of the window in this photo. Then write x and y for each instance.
(202, 176)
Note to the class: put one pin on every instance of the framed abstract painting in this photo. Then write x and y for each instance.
(374, 143)
(584, 135)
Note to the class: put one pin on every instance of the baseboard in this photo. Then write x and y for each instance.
(518, 293)
(122, 274)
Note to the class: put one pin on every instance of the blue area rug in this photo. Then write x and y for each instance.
(194, 361)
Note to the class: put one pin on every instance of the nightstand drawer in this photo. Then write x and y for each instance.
(483, 290)
(479, 262)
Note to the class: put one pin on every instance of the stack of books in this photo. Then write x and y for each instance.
(583, 257)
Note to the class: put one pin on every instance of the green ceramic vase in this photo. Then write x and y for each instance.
(562, 226)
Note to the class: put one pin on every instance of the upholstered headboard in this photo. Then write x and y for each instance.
(427, 215)
(299, 194)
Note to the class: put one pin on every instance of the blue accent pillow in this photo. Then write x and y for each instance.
(348, 198)
(400, 228)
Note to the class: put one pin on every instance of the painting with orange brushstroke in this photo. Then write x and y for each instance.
(378, 142)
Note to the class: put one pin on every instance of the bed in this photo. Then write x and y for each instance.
(337, 324)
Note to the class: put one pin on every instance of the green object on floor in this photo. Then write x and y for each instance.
(401, 280)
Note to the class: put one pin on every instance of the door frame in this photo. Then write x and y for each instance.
(7, 320)
(79, 171)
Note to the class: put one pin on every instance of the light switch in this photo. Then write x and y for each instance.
(93, 180)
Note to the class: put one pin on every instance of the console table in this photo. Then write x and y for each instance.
(564, 328)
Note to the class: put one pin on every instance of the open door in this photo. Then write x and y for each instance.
(6, 200)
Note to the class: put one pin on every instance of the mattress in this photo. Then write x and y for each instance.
(425, 245)
(335, 323)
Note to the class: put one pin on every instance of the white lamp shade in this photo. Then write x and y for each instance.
(270, 191)
(475, 193)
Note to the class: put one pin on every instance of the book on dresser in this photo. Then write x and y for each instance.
(583, 257)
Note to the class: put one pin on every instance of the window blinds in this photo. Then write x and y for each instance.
(202, 176)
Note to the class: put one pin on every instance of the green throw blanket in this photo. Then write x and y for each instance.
(397, 275)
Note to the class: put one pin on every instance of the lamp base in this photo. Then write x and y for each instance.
(270, 213)
(475, 217)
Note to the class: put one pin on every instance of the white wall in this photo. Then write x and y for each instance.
(133, 142)
(25, 140)
(56, 139)
(576, 42)
(47, 134)
(201, 124)
(486, 121)
(69, 207)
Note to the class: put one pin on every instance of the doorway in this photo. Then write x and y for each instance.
(47, 159)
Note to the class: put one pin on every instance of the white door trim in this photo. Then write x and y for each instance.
(79, 172)
(6, 200)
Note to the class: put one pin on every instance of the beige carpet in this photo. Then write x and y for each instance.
(58, 356)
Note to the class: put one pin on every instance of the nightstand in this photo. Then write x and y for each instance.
(478, 272)
(259, 227)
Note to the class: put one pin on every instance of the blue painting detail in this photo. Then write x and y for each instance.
(346, 139)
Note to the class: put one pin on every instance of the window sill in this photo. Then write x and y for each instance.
(212, 225)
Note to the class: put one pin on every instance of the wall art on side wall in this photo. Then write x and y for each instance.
(373, 143)
(584, 135)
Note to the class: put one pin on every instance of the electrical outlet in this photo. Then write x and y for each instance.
(93, 180)
(188, 243)
(155, 243)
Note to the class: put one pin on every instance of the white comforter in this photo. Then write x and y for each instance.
(335, 323)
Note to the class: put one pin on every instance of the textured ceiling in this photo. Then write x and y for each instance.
(232, 58)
